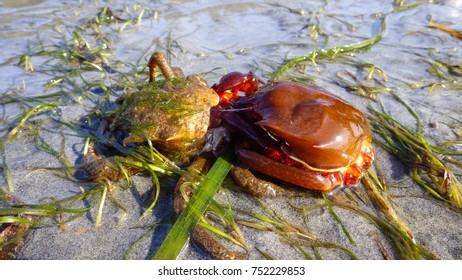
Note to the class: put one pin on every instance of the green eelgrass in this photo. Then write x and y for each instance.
(11, 135)
(226, 218)
(332, 53)
(297, 11)
(371, 87)
(292, 235)
(222, 213)
(5, 168)
(190, 216)
(430, 165)
(146, 158)
(392, 227)
(24, 218)
(405, 245)
(38, 109)
(28, 217)
(337, 218)
(448, 72)
(42, 145)
(43, 210)
(377, 191)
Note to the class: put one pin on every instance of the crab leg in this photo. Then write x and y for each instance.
(158, 59)
(259, 138)
(307, 179)
(254, 186)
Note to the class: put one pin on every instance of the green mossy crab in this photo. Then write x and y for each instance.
(174, 114)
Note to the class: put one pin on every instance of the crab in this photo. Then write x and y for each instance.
(299, 134)
(174, 114)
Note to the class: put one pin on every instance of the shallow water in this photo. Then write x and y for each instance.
(213, 39)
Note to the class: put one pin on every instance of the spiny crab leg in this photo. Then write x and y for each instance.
(158, 59)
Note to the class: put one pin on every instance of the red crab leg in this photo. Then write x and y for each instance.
(307, 179)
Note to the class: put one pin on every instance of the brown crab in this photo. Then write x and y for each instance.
(173, 114)
(295, 133)
(299, 134)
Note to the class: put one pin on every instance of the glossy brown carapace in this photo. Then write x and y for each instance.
(301, 134)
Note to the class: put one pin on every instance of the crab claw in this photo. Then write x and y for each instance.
(230, 84)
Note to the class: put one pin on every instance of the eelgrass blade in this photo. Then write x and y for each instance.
(220, 233)
(381, 199)
(145, 235)
(13, 219)
(119, 206)
(156, 194)
(101, 206)
(4, 166)
(264, 254)
(276, 225)
(42, 145)
(337, 218)
(39, 210)
(189, 217)
(315, 244)
(42, 107)
(331, 53)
